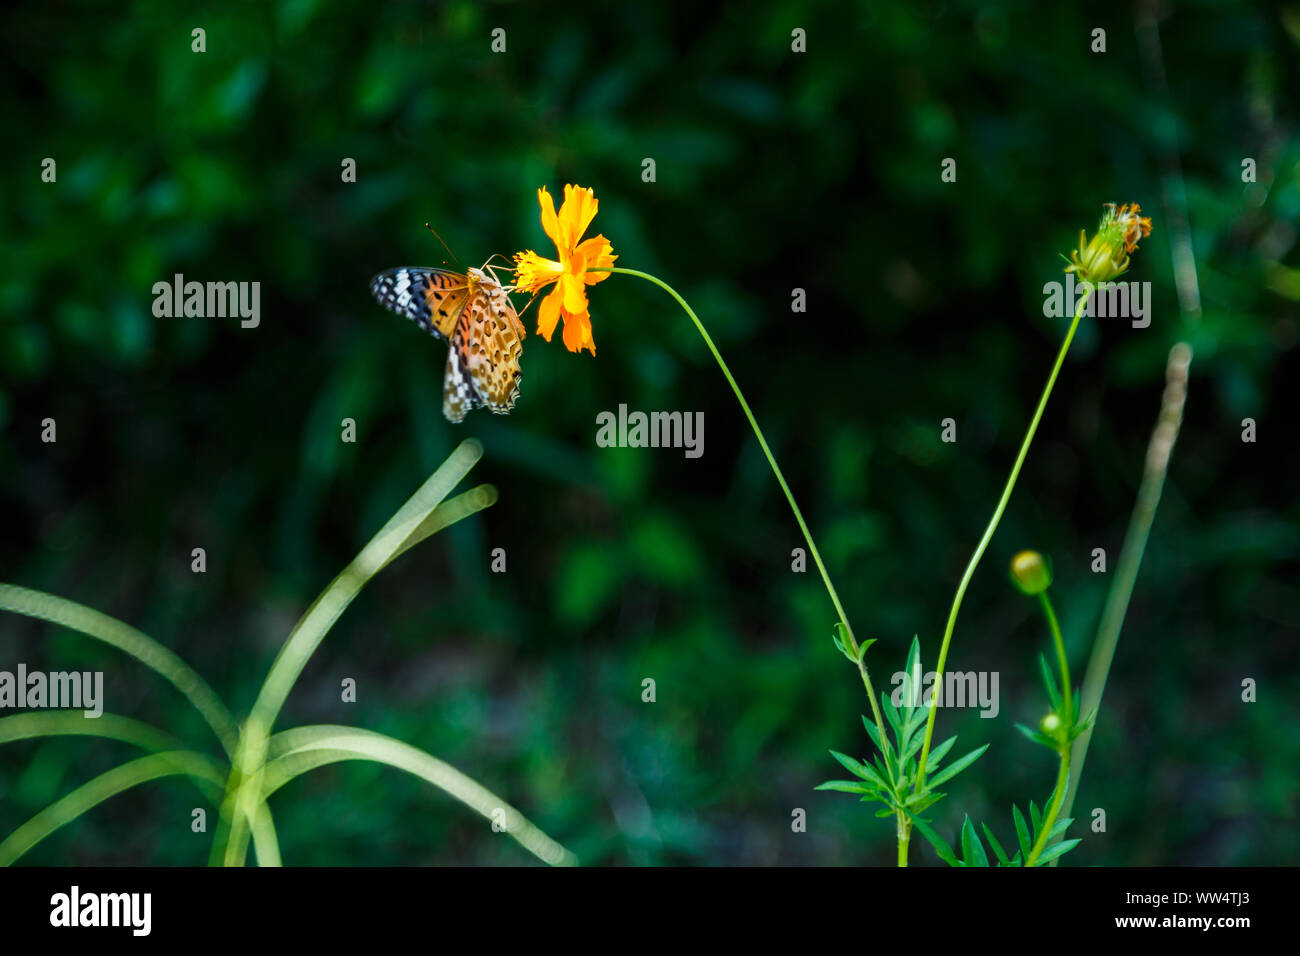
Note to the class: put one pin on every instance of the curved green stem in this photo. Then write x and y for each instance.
(789, 497)
(1067, 692)
(1067, 725)
(1053, 808)
(1087, 288)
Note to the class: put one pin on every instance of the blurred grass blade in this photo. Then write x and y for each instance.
(78, 617)
(305, 748)
(265, 843)
(142, 770)
(61, 723)
(446, 514)
(1159, 451)
(391, 540)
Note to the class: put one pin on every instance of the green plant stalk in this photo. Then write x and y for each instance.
(1063, 749)
(415, 520)
(1054, 808)
(1067, 692)
(904, 822)
(1159, 451)
(1087, 288)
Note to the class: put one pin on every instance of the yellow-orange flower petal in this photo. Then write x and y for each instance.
(569, 272)
(550, 224)
(548, 315)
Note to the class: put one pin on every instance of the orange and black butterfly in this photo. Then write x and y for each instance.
(472, 312)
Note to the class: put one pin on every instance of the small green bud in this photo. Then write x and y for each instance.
(1050, 725)
(1030, 572)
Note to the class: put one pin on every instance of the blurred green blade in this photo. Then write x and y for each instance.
(305, 748)
(62, 812)
(78, 617)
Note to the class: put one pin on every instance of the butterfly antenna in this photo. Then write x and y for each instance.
(444, 245)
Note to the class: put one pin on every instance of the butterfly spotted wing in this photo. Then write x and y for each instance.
(432, 298)
(473, 312)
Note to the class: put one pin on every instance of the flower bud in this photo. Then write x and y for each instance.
(1050, 725)
(1030, 572)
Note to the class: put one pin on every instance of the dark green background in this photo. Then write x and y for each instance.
(774, 170)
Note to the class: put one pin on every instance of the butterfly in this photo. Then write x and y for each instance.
(472, 312)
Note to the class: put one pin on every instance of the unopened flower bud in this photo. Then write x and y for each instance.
(1030, 572)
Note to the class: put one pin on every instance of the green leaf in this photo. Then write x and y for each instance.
(956, 767)
(938, 753)
(891, 715)
(874, 733)
(838, 635)
(891, 764)
(845, 786)
(859, 769)
(1036, 737)
(1053, 692)
(862, 648)
(939, 843)
(887, 812)
(913, 670)
(1061, 826)
(1022, 831)
(1035, 817)
(1000, 853)
(914, 723)
(1055, 850)
(913, 744)
(972, 850)
(926, 800)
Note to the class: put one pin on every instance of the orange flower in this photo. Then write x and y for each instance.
(568, 300)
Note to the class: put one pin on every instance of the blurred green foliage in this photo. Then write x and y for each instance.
(774, 170)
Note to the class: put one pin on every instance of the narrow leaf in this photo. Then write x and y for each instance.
(1036, 737)
(997, 847)
(845, 786)
(858, 769)
(1055, 850)
(972, 850)
(1060, 827)
(956, 767)
(891, 715)
(874, 733)
(914, 674)
(1022, 831)
(938, 753)
(940, 845)
(1053, 692)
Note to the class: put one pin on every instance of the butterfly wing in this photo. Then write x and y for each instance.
(459, 397)
(495, 346)
(432, 298)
